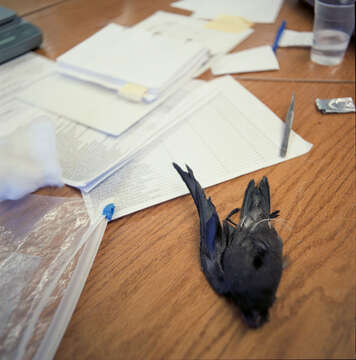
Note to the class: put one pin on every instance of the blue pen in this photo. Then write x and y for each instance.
(278, 35)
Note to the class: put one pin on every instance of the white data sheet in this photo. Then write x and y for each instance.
(232, 135)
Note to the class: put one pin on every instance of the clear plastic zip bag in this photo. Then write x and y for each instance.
(47, 246)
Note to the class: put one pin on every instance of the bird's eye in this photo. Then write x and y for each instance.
(257, 262)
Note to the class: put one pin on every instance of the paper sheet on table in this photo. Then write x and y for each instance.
(229, 23)
(21, 72)
(296, 38)
(14, 76)
(264, 11)
(87, 156)
(86, 103)
(189, 29)
(132, 56)
(232, 135)
(261, 58)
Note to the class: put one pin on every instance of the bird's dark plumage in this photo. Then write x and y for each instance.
(242, 261)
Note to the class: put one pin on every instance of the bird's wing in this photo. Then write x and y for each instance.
(212, 237)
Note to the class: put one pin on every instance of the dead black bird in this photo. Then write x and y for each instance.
(242, 261)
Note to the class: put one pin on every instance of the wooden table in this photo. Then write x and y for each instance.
(146, 297)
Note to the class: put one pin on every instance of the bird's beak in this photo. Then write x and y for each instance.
(255, 319)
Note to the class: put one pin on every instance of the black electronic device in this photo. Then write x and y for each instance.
(17, 36)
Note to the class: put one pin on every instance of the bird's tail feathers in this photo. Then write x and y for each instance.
(256, 197)
(204, 206)
(210, 227)
(264, 189)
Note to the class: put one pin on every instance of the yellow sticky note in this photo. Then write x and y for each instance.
(133, 92)
(229, 23)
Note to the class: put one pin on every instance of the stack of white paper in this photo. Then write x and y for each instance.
(264, 11)
(87, 156)
(139, 65)
(190, 29)
(232, 135)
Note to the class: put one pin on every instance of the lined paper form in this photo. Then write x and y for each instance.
(232, 135)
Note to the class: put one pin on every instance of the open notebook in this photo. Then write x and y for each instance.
(138, 64)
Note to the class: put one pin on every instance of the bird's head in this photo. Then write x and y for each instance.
(255, 310)
(253, 269)
(255, 318)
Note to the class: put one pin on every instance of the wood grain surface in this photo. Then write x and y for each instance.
(25, 8)
(146, 297)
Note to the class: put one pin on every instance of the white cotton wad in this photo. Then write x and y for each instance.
(28, 160)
